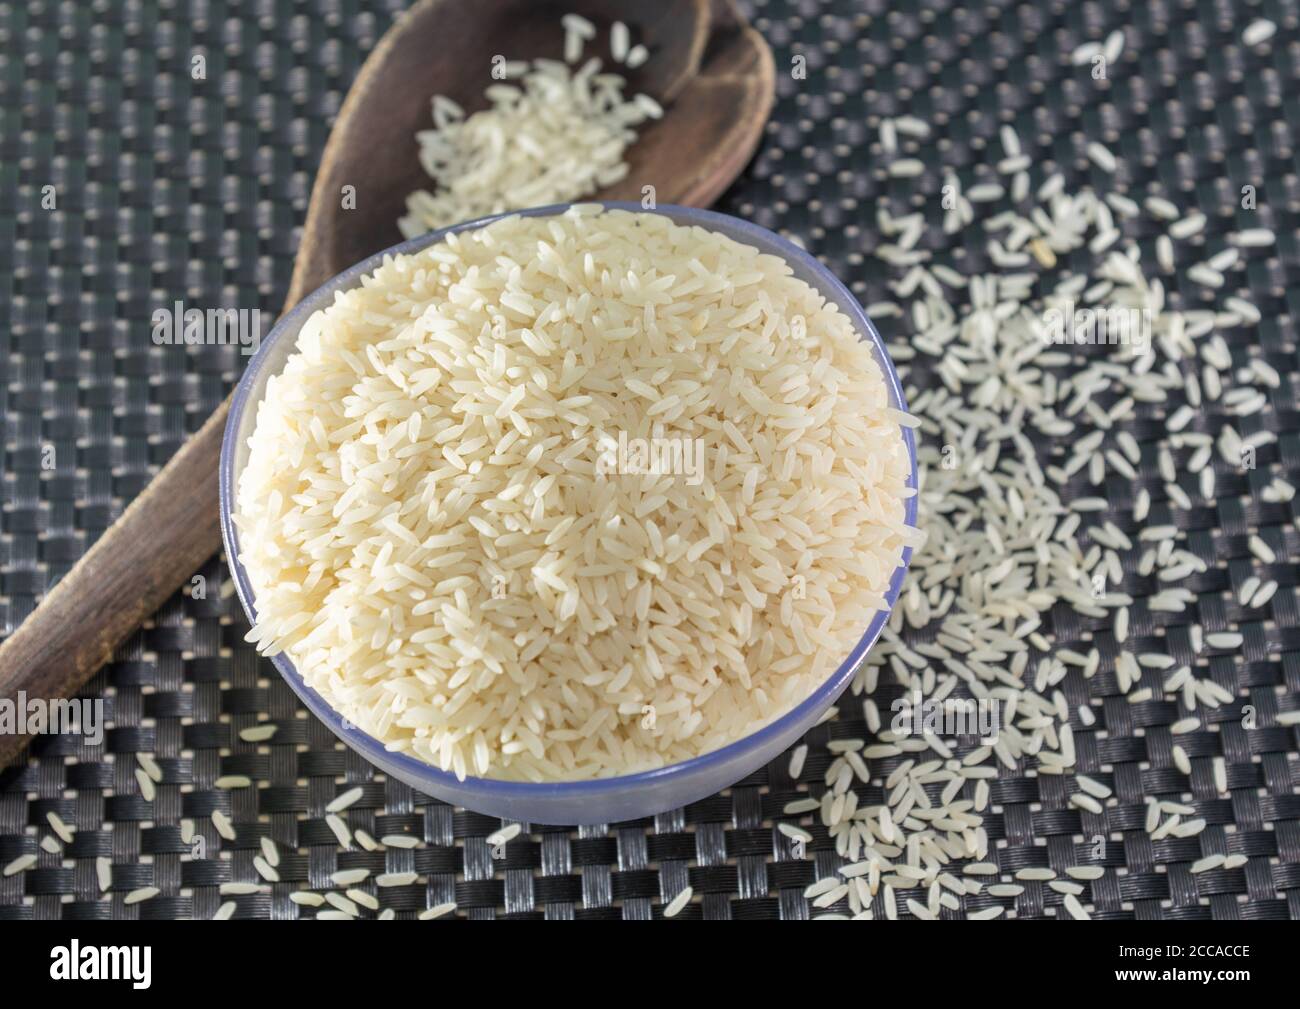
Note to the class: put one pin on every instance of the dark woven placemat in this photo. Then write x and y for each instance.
(169, 188)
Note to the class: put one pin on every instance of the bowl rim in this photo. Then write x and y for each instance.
(375, 751)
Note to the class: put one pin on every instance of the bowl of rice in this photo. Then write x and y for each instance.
(572, 515)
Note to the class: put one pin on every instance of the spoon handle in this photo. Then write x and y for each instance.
(167, 532)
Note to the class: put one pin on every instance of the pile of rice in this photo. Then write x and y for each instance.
(435, 537)
(550, 134)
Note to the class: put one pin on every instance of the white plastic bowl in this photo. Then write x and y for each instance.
(596, 800)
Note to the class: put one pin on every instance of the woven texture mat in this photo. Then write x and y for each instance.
(168, 188)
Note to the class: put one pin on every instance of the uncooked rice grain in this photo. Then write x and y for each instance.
(677, 903)
(1259, 30)
(1224, 639)
(820, 887)
(504, 835)
(906, 168)
(396, 878)
(1085, 53)
(619, 41)
(146, 784)
(150, 766)
(793, 832)
(1261, 549)
(797, 759)
(913, 126)
(59, 827)
(1101, 157)
(553, 133)
(1087, 802)
(224, 827)
(20, 864)
(342, 903)
(340, 829)
(265, 869)
(365, 840)
(343, 801)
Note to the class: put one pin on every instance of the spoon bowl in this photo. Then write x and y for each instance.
(712, 74)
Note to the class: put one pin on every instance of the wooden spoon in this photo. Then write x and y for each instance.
(711, 72)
